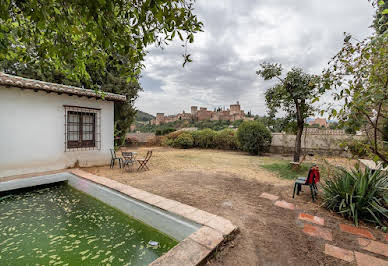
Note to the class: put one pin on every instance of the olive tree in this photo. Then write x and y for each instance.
(294, 94)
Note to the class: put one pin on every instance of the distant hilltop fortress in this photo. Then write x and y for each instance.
(232, 114)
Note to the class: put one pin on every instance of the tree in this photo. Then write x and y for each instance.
(70, 35)
(359, 73)
(294, 94)
(380, 22)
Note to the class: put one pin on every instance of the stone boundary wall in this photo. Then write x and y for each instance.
(316, 143)
(141, 137)
(326, 131)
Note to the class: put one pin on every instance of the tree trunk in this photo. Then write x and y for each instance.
(298, 140)
(298, 143)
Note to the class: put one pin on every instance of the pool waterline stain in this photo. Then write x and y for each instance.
(60, 225)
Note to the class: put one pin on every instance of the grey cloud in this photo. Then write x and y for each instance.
(238, 36)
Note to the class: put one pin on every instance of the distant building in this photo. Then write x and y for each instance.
(232, 114)
(319, 121)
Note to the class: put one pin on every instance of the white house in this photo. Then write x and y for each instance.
(46, 126)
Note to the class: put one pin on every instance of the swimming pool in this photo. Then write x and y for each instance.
(74, 217)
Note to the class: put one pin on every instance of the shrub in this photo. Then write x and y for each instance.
(195, 135)
(174, 135)
(184, 141)
(169, 139)
(254, 137)
(168, 130)
(164, 131)
(385, 130)
(358, 195)
(204, 138)
(226, 139)
(358, 148)
(155, 141)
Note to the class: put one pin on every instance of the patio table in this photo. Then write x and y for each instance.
(129, 158)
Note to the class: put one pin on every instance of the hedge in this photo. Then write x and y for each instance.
(252, 136)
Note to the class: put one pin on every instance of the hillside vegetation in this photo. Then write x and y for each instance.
(215, 125)
(143, 116)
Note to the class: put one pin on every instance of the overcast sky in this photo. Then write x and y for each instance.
(239, 35)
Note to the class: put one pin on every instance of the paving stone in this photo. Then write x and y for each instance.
(269, 196)
(146, 197)
(222, 225)
(207, 237)
(152, 199)
(311, 218)
(356, 231)
(339, 253)
(367, 260)
(95, 178)
(165, 204)
(128, 190)
(199, 216)
(182, 209)
(373, 246)
(319, 232)
(285, 204)
(101, 181)
(116, 185)
(188, 252)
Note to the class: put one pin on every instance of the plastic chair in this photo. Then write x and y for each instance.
(313, 177)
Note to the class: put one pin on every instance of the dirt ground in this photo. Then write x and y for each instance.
(229, 184)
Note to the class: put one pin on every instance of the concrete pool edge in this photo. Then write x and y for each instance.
(195, 248)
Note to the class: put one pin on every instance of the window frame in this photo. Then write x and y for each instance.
(81, 143)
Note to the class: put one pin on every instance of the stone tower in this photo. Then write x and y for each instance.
(194, 110)
(159, 118)
(235, 108)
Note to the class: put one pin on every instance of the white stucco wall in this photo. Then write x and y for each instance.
(32, 132)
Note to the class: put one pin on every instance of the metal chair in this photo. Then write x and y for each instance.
(129, 159)
(143, 162)
(114, 158)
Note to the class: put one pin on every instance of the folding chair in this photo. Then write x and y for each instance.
(114, 158)
(143, 162)
(313, 177)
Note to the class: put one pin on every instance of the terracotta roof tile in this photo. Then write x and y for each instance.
(24, 83)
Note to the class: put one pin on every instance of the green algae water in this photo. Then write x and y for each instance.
(58, 225)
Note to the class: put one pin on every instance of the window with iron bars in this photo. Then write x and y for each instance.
(82, 128)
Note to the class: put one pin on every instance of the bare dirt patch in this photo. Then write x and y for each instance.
(229, 184)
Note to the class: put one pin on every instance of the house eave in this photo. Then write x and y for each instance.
(37, 85)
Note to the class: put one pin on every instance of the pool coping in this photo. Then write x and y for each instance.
(194, 249)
